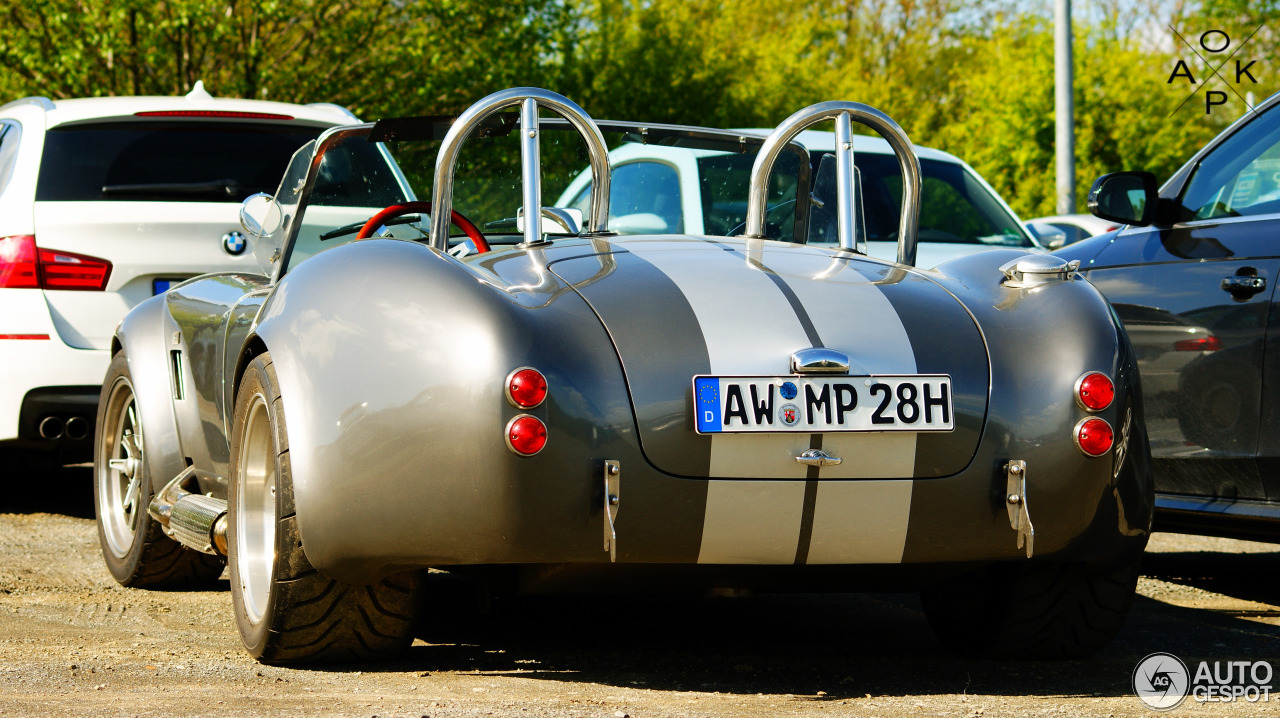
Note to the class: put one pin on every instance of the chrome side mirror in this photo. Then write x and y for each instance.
(1049, 236)
(260, 215)
(555, 220)
(844, 113)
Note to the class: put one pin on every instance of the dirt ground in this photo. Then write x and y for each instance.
(73, 642)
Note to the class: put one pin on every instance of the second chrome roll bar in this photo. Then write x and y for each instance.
(529, 99)
(843, 113)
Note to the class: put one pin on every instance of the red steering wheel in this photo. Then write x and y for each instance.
(395, 210)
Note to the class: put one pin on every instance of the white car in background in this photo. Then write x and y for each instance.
(103, 203)
(658, 189)
(1075, 227)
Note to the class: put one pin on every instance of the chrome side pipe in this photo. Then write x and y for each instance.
(196, 521)
(529, 99)
(843, 113)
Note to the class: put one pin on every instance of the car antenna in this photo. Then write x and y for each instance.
(198, 92)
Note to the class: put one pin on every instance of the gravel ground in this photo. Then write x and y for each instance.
(74, 642)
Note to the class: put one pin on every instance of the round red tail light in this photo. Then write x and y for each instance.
(1094, 391)
(1094, 436)
(526, 388)
(526, 435)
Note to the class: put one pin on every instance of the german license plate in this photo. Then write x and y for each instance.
(779, 404)
(160, 286)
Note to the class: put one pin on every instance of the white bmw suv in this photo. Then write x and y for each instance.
(103, 203)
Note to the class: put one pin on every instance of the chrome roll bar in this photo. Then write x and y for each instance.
(529, 99)
(843, 113)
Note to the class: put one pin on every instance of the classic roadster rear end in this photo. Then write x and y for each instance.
(566, 409)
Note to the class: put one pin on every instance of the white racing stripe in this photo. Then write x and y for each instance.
(860, 522)
(852, 315)
(751, 328)
(752, 522)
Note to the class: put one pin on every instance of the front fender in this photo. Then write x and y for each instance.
(142, 335)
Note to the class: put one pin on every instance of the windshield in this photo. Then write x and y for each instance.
(673, 180)
(955, 208)
(165, 161)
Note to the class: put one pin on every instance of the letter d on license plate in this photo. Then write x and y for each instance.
(755, 404)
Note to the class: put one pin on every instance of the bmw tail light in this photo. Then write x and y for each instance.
(1095, 391)
(526, 388)
(1094, 436)
(1202, 344)
(23, 265)
(526, 435)
(18, 262)
(64, 270)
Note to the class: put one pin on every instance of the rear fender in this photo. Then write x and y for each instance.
(392, 359)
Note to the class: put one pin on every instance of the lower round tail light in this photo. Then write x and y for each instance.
(526, 435)
(1094, 436)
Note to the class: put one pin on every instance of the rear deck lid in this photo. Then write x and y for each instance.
(678, 308)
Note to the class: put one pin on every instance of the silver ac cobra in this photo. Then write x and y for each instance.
(540, 398)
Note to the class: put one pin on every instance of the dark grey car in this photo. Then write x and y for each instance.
(1193, 280)
(555, 407)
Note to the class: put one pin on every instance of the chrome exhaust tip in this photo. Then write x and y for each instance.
(51, 427)
(196, 521)
(77, 428)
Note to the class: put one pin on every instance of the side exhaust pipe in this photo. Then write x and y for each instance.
(196, 521)
(51, 427)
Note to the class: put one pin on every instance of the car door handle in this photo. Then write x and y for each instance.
(1243, 287)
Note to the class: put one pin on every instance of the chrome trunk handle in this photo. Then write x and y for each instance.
(529, 99)
(843, 113)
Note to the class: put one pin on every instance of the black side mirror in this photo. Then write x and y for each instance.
(1125, 197)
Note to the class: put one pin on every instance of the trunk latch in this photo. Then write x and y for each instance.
(818, 457)
(1016, 502)
(612, 482)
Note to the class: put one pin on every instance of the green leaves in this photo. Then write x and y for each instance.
(963, 77)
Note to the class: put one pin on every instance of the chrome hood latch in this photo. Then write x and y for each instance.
(1016, 502)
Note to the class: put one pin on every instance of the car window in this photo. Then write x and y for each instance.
(1240, 177)
(1074, 233)
(724, 181)
(355, 180)
(642, 190)
(955, 208)
(165, 161)
(10, 134)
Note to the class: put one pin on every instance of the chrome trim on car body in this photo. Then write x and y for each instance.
(529, 98)
(842, 113)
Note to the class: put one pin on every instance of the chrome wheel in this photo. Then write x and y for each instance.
(256, 510)
(120, 471)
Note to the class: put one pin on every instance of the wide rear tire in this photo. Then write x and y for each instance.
(286, 610)
(1036, 609)
(134, 545)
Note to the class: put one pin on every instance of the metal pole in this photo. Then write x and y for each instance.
(1064, 108)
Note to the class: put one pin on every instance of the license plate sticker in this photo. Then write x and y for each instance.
(781, 404)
